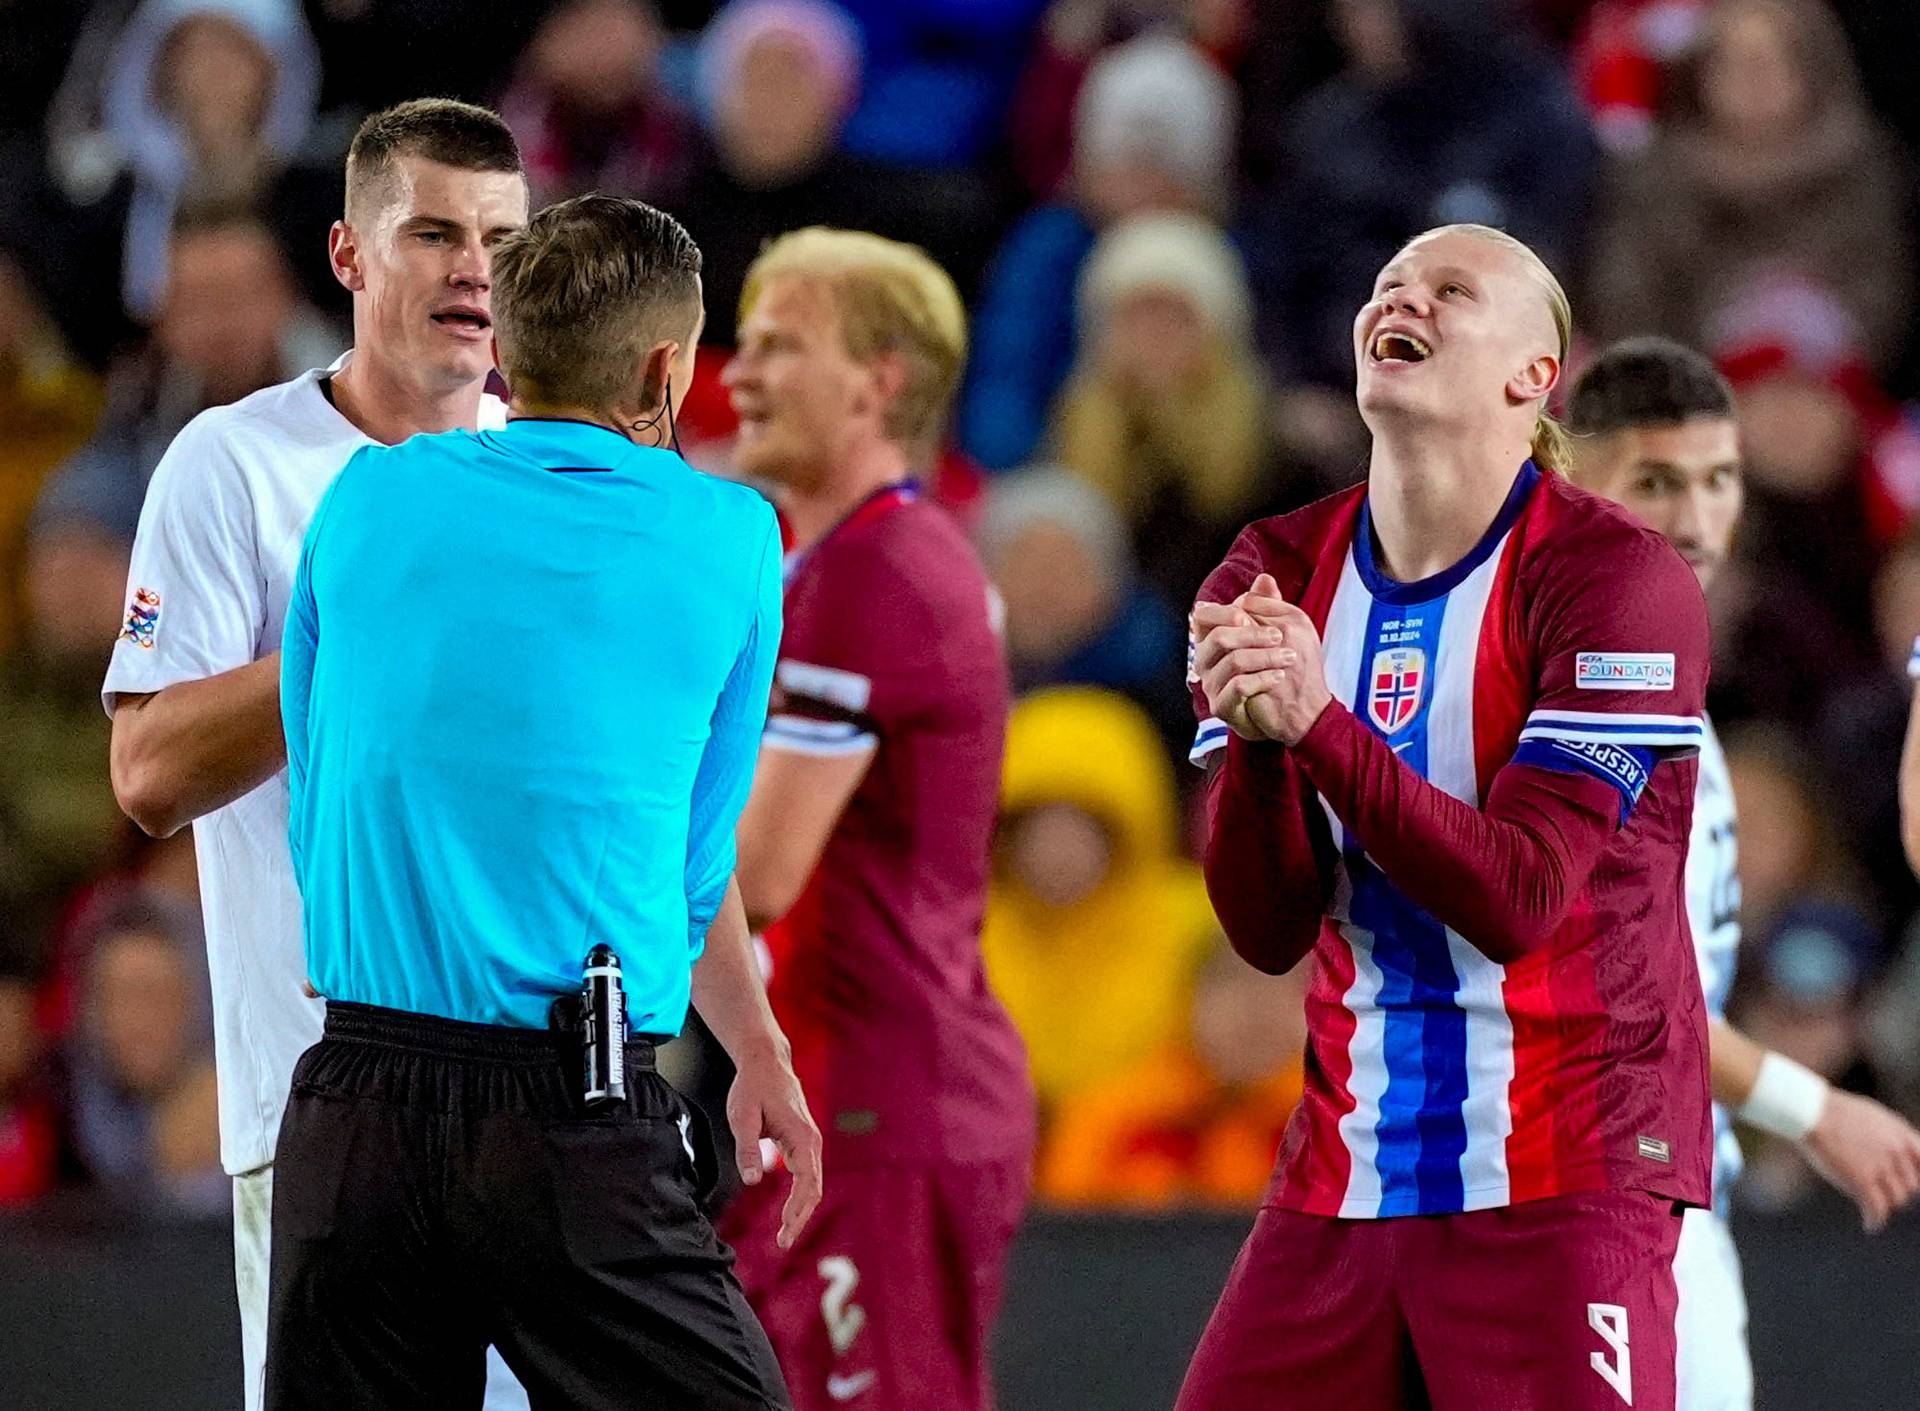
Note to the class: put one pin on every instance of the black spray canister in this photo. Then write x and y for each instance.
(603, 1004)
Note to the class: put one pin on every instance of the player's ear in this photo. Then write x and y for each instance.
(343, 254)
(888, 378)
(1535, 380)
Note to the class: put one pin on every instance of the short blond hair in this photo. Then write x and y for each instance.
(891, 297)
(1552, 444)
(585, 291)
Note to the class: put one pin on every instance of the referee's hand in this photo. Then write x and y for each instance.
(766, 1101)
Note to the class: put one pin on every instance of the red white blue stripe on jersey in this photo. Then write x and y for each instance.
(1429, 1079)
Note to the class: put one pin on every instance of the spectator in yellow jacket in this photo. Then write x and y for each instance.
(1095, 919)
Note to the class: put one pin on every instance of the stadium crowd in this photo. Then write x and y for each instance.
(1163, 214)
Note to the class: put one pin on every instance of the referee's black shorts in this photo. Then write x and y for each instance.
(439, 1187)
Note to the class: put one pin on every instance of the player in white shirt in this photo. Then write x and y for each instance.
(194, 683)
(1655, 428)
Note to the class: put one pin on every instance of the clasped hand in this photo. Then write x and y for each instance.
(1258, 658)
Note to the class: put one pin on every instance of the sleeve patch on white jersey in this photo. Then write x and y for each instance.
(1623, 671)
(143, 619)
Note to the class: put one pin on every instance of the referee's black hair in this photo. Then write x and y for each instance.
(1646, 382)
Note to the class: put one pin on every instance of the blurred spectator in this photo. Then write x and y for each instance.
(1200, 1122)
(158, 875)
(144, 1115)
(59, 822)
(1832, 470)
(229, 324)
(1622, 60)
(29, 1118)
(588, 109)
(775, 80)
(1791, 849)
(1804, 1000)
(1076, 32)
(939, 74)
(1153, 132)
(1094, 921)
(48, 405)
(1772, 168)
(1166, 410)
(1447, 111)
(199, 102)
(1077, 612)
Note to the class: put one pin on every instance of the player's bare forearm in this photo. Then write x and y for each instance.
(796, 803)
(1910, 787)
(1734, 1060)
(729, 993)
(1502, 877)
(1263, 872)
(183, 752)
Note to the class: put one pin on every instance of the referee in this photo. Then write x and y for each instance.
(524, 677)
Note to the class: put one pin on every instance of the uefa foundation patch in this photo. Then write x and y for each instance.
(143, 619)
(1623, 671)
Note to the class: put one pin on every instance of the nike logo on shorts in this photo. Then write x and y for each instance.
(842, 1387)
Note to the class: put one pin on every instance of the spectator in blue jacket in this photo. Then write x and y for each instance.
(939, 76)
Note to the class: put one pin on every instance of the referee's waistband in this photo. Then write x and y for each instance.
(457, 1038)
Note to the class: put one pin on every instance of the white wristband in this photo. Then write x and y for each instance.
(1786, 1100)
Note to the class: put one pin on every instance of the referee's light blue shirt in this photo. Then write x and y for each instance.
(524, 679)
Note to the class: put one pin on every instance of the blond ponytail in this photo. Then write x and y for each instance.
(1552, 445)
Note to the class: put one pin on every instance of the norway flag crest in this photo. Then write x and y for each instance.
(1395, 684)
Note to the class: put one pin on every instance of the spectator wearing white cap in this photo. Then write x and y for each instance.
(1154, 131)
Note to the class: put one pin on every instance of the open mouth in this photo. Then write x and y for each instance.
(468, 321)
(1400, 348)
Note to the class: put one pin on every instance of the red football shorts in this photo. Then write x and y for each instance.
(1566, 1303)
(887, 1301)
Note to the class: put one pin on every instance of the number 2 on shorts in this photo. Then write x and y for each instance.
(844, 1317)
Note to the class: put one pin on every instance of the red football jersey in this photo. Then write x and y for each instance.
(1463, 1052)
(892, 644)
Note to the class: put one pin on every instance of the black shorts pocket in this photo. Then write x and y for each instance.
(626, 1187)
(317, 1141)
(696, 1134)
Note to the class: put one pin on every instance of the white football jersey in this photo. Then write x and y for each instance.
(213, 565)
(1713, 915)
